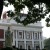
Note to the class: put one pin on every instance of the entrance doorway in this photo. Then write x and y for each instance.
(1, 44)
(28, 47)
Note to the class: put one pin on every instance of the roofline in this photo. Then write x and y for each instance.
(12, 24)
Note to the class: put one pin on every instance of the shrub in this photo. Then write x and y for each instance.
(7, 48)
(43, 49)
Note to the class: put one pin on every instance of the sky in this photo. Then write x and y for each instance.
(45, 30)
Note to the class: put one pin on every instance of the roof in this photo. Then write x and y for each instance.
(7, 21)
(13, 22)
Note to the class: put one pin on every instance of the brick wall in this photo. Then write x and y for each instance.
(1, 33)
(1, 37)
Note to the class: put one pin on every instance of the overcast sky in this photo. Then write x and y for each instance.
(46, 30)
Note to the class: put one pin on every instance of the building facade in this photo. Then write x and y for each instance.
(24, 37)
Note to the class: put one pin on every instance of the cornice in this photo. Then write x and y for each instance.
(20, 25)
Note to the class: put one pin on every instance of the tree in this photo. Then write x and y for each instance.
(47, 44)
(34, 14)
(8, 38)
(1, 7)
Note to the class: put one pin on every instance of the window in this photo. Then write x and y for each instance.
(35, 35)
(36, 43)
(20, 34)
(28, 45)
(28, 35)
(21, 44)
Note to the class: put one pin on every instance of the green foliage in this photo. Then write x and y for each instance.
(7, 48)
(10, 13)
(47, 20)
(47, 44)
(1, 7)
(43, 49)
(8, 38)
(34, 14)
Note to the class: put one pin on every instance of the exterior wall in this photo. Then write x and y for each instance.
(25, 36)
(1, 37)
(29, 35)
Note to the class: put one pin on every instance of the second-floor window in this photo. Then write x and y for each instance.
(28, 35)
(35, 35)
(20, 34)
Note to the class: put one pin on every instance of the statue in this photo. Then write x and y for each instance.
(8, 38)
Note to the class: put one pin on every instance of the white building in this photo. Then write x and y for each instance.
(23, 36)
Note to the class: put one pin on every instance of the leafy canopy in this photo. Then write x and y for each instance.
(34, 14)
(47, 44)
(1, 7)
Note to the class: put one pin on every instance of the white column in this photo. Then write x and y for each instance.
(39, 40)
(16, 40)
(34, 34)
(42, 35)
(4, 34)
(4, 39)
(32, 40)
(42, 41)
(25, 39)
(39, 35)
(40, 44)
(22, 34)
(13, 39)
